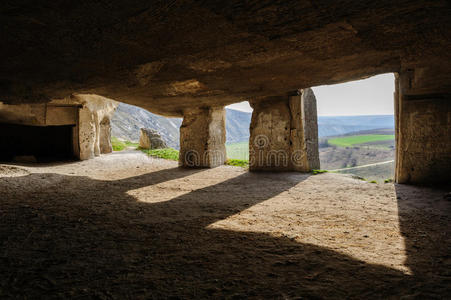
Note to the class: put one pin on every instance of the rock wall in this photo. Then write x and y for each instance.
(284, 134)
(202, 138)
(423, 127)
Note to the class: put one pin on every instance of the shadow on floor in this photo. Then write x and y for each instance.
(85, 238)
(425, 224)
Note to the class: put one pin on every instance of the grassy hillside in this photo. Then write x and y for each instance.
(350, 141)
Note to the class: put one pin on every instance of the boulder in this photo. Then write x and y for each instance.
(151, 139)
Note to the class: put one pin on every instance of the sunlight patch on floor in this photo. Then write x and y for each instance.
(361, 225)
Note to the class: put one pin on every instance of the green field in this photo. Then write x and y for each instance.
(238, 150)
(350, 141)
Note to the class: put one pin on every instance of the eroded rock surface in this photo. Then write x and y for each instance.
(151, 139)
(284, 134)
(423, 131)
(202, 138)
(94, 125)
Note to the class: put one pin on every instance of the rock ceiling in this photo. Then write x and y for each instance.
(170, 55)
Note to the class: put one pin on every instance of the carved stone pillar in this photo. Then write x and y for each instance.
(202, 138)
(284, 134)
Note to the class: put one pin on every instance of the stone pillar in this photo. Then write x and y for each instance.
(202, 138)
(86, 133)
(94, 125)
(304, 132)
(423, 126)
(284, 134)
(105, 136)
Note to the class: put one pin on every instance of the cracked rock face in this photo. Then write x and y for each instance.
(172, 56)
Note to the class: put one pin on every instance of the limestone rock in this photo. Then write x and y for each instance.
(202, 138)
(284, 134)
(151, 139)
(423, 131)
(94, 125)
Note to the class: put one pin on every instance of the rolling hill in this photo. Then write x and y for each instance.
(128, 119)
(339, 125)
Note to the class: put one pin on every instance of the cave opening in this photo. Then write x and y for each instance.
(238, 119)
(25, 143)
(356, 127)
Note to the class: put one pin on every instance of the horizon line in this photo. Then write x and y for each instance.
(376, 114)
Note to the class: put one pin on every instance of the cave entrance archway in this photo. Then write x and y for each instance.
(356, 125)
(238, 119)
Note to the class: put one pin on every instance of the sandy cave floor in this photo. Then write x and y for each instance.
(126, 226)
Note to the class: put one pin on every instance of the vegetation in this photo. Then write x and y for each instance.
(316, 172)
(172, 154)
(166, 153)
(131, 144)
(119, 145)
(238, 163)
(350, 141)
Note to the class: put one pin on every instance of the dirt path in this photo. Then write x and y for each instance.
(364, 166)
(125, 226)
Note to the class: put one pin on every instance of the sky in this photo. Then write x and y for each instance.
(372, 96)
